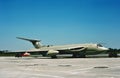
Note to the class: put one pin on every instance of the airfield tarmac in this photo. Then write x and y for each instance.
(29, 67)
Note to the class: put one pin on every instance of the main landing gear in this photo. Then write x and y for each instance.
(79, 55)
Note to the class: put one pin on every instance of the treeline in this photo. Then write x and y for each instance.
(114, 50)
(6, 53)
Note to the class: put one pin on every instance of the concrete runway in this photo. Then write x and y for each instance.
(28, 67)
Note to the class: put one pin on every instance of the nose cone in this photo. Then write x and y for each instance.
(106, 49)
(103, 49)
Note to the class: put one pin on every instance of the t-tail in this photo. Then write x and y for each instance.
(36, 43)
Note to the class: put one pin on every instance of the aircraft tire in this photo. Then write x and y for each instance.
(79, 55)
(53, 57)
(18, 55)
(113, 54)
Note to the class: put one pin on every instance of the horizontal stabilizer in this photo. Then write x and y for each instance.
(33, 41)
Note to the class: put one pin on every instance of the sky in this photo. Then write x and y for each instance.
(58, 22)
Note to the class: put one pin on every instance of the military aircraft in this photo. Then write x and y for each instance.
(77, 50)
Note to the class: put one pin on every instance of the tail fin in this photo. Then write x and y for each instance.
(33, 41)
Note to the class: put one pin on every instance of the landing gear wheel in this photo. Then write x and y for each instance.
(18, 55)
(79, 55)
(113, 54)
(53, 57)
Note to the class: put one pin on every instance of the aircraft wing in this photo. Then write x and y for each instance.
(75, 49)
(71, 49)
(52, 52)
(78, 49)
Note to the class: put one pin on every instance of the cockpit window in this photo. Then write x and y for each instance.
(99, 45)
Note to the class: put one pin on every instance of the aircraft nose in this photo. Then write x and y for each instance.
(105, 49)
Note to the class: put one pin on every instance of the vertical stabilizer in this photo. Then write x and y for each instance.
(36, 43)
